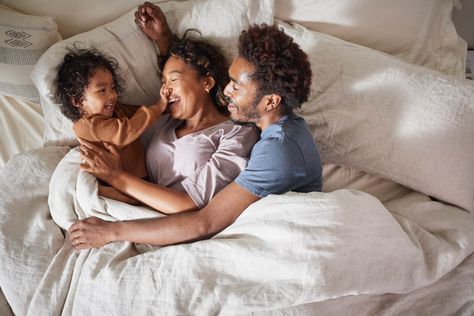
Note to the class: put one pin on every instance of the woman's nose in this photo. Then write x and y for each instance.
(167, 90)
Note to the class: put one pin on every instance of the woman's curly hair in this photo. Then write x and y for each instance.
(74, 75)
(281, 66)
(206, 59)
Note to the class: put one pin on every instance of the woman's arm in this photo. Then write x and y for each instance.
(113, 193)
(162, 199)
(152, 21)
(105, 164)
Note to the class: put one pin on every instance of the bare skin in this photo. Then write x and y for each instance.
(152, 21)
(113, 193)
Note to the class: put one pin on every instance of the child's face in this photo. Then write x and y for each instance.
(100, 96)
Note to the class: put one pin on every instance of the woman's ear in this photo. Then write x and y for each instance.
(272, 102)
(209, 83)
(76, 103)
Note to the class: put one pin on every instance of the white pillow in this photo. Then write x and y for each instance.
(420, 32)
(23, 38)
(137, 55)
(403, 122)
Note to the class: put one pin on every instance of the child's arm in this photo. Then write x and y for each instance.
(119, 131)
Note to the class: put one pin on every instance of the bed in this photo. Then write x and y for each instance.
(392, 233)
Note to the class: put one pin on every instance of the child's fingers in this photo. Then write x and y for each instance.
(88, 146)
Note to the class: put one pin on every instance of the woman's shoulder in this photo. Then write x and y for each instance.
(246, 132)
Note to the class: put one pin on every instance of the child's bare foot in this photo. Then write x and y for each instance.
(152, 21)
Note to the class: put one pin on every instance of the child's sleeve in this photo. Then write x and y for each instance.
(119, 131)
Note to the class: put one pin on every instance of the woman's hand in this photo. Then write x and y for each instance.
(102, 163)
(91, 232)
(152, 21)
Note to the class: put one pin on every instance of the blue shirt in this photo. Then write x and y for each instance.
(286, 158)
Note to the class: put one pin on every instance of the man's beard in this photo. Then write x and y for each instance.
(250, 116)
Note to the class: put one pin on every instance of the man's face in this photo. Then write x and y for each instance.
(242, 93)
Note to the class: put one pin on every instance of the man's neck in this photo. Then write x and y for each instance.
(269, 119)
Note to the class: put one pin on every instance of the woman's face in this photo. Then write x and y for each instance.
(100, 96)
(185, 90)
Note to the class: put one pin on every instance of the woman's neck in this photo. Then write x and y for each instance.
(208, 117)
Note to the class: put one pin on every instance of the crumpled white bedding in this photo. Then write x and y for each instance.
(282, 253)
(21, 127)
(75, 196)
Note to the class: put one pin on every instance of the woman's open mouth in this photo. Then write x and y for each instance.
(173, 100)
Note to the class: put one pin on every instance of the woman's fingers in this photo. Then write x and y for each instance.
(111, 148)
(88, 144)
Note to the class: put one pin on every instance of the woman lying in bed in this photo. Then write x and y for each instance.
(195, 150)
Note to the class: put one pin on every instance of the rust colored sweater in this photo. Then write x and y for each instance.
(123, 130)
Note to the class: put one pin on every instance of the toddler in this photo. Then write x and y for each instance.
(87, 86)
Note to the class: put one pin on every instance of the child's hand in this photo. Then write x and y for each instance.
(164, 97)
(160, 107)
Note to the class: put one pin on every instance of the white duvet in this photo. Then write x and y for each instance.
(281, 253)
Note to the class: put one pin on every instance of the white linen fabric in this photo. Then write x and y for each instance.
(21, 127)
(349, 243)
(137, 55)
(380, 115)
(74, 196)
(92, 13)
(23, 38)
(419, 32)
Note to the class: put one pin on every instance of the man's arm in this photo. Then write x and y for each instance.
(221, 212)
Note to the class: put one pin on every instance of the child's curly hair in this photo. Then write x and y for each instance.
(206, 59)
(74, 75)
(281, 66)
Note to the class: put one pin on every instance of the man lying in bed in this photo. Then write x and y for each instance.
(270, 77)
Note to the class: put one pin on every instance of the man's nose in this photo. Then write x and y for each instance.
(226, 90)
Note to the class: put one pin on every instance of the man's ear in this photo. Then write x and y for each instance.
(272, 102)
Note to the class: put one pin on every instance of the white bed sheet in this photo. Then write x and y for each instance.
(349, 245)
(21, 127)
(35, 244)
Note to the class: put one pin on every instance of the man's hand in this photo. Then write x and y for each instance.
(91, 232)
(102, 163)
(152, 21)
